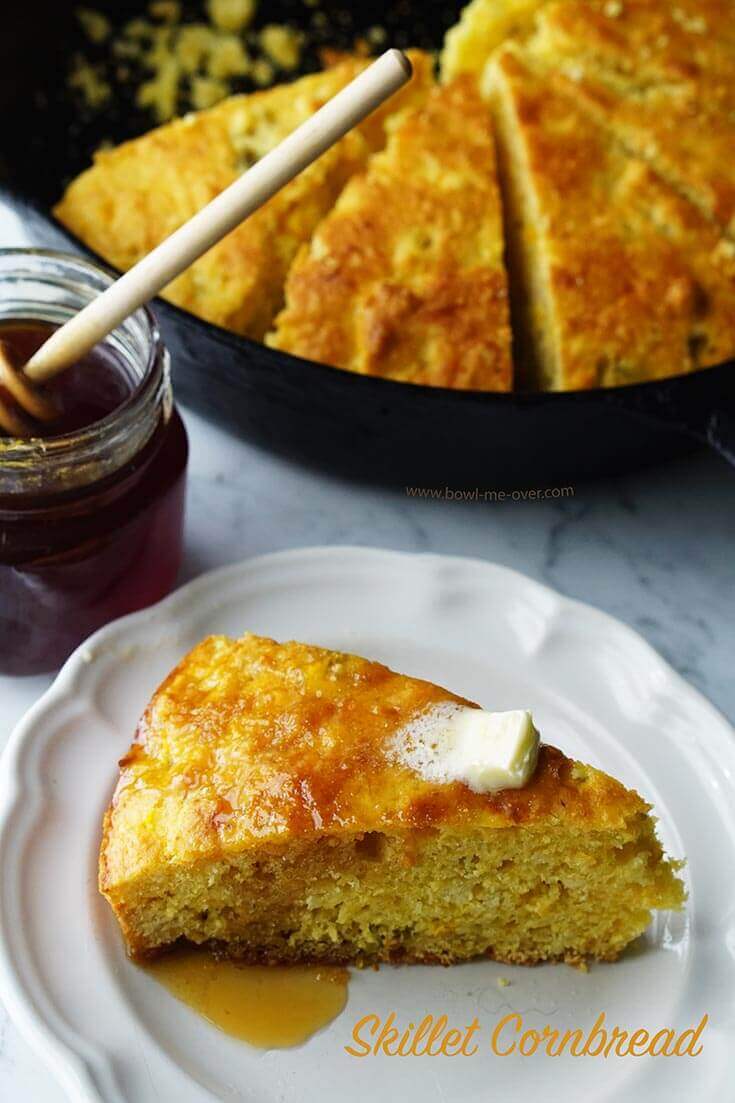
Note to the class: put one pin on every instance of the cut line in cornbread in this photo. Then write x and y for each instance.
(405, 278)
(134, 196)
(661, 77)
(262, 812)
(616, 278)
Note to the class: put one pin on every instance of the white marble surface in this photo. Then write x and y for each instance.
(655, 550)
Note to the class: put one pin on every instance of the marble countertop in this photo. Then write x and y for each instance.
(654, 549)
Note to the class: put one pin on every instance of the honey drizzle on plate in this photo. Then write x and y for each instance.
(270, 1006)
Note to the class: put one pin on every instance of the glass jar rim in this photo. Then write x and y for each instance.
(20, 455)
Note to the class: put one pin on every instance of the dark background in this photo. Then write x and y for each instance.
(48, 132)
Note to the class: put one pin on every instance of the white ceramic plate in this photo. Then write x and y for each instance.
(598, 691)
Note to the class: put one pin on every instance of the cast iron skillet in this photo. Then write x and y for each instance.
(369, 428)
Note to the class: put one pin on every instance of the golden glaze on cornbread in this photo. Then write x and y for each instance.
(134, 196)
(261, 811)
(621, 279)
(405, 277)
(661, 76)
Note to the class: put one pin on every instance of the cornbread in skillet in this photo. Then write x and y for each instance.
(405, 277)
(483, 26)
(137, 194)
(260, 811)
(618, 279)
(661, 77)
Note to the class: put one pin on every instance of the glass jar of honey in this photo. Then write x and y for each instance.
(91, 511)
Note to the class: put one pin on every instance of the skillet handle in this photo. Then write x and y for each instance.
(700, 405)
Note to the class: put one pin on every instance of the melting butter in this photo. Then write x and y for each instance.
(486, 751)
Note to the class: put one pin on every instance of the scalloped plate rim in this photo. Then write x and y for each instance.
(76, 1072)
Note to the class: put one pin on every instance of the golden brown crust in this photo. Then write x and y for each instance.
(645, 41)
(137, 194)
(637, 283)
(662, 77)
(254, 743)
(706, 253)
(405, 278)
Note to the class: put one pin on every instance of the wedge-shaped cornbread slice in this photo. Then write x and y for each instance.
(137, 194)
(483, 26)
(262, 811)
(642, 42)
(617, 279)
(405, 277)
(662, 77)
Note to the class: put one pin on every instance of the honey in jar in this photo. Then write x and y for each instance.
(91, 510)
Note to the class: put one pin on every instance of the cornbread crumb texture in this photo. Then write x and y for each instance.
(231, 15)
(624, 280)
(405, 277)
(138, 193)
(178, 62)
(88, 79)
(95, 24)
(258, 812)
(174, 58)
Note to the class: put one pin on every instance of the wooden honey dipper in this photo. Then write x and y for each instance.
(27, 404)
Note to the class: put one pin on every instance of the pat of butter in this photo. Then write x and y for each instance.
(484, 750)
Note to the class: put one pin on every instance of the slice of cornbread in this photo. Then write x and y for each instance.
(617, 279)
(261, 811)
(483, 26)
(405, 277)
(134, 196)
(641, 43)
(661, 76)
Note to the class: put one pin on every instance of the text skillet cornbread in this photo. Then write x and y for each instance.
(262, 812)
(405, 277)
(137, 194)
